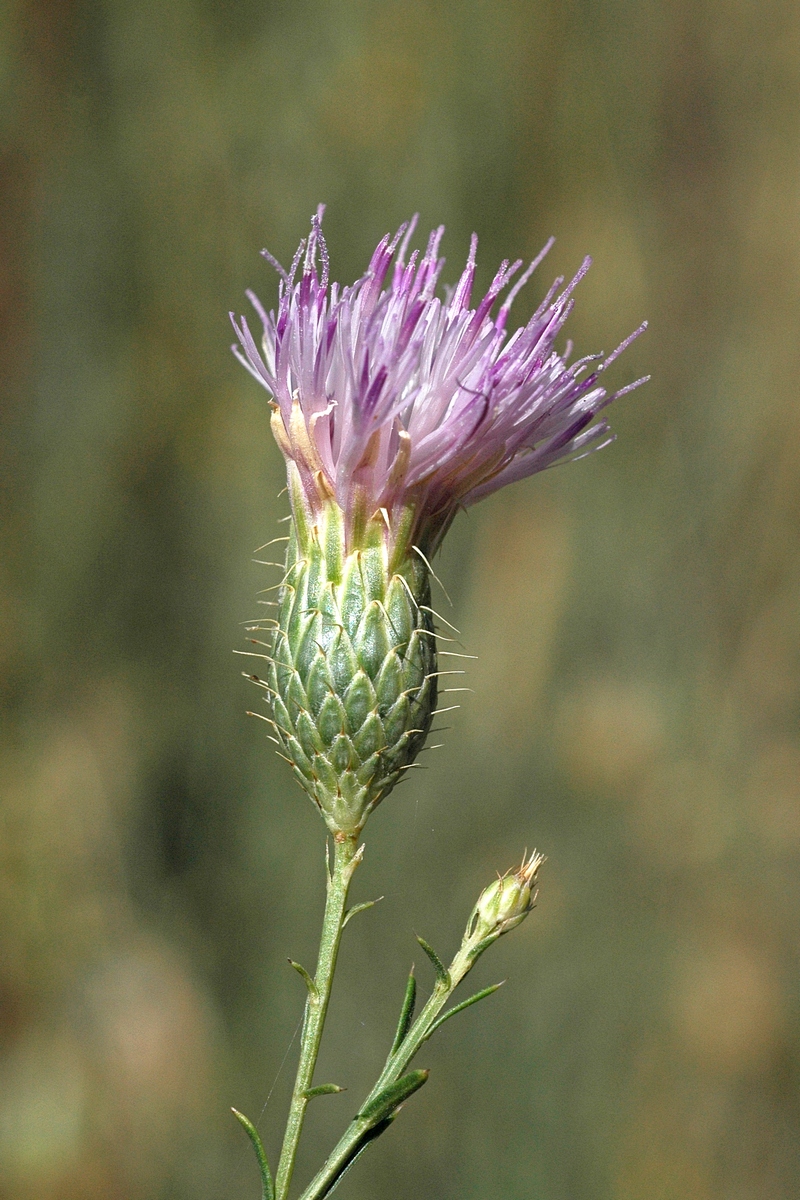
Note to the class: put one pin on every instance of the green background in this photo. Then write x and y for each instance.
(635, 617)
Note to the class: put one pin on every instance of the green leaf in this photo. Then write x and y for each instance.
(323, 1089)
(406, 1012)
(442, 974)
(357, 908)
(464, 1004)
(267, 1189)
(392, 1096)
(313, 994)
(478, 950)
(369, 1137)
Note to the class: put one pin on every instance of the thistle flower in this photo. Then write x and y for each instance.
(393, 409)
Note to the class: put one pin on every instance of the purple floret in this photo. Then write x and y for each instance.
(392, 400)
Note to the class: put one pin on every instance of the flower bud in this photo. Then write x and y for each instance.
(505, 902)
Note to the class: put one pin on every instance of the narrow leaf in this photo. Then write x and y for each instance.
(369, 1137)
(392, 1096)
(464, 1004)
(307, 980)
(357, 908)
(406, 1012)
(478, 950)
(323, 1089)
(267, 1189)
(442, 974)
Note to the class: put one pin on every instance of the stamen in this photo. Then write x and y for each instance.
(408, 234)
(623, 346)
(520, 284)
(273, 262)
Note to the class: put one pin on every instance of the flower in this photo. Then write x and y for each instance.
(403, 407)
(394, 408)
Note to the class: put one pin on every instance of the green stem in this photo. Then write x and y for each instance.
(357, 1135)
(346, 859)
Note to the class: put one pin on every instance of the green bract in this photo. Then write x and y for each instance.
(504, 904)
(353, 671)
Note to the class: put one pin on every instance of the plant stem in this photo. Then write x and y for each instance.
(346, 859)
(357, 1135)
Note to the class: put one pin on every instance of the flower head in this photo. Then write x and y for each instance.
(401, 406)
(506, 902)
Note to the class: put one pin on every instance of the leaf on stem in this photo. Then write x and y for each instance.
(478, 950)
(442, 973)
(267, 1188)
(357, 908)
(406, 1013)
(307, 980)
(464, 1004)
(323, 1089)
(369, 1136)
(392, 1096)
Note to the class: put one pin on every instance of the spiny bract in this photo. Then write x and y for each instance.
(353, 673)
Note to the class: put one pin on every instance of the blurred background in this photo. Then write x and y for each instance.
(636, 616)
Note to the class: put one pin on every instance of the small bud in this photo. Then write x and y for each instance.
(505, 902)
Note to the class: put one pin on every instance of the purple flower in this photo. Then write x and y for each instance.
(405, 407)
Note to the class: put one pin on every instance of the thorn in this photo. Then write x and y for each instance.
(464, 689)
(258, 549)
(439, 617)
(452, 708)
(262, 563)
(404, 582)
(254, 653)
(432, 633)
(455, 654)
(260, 683)
(270, 721)
(300, 562)
(433, 573)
